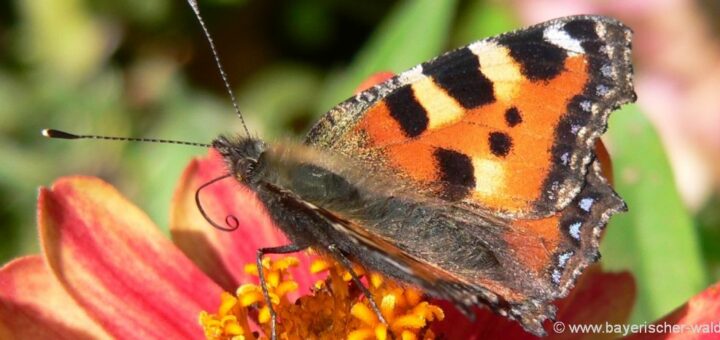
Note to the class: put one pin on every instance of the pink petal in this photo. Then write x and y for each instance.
(699, 318)
(597, 298)
(117, 265)
(223, 255)
(33, 305)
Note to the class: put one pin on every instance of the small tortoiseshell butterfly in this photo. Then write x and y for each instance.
(472, 175)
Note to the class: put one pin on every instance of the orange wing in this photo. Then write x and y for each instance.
(505, 124)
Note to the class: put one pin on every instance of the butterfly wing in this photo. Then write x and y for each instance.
(506, 124)
(516, 269)
(503, 129)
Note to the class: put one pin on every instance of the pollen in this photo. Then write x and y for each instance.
(334, 308)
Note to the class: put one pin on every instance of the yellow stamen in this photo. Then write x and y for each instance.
(387, 306)
(264, 315)
(376, 280)
(359, 271)
(381, 332)
(360, 334)
(320, 265)
(251, 269)
(273, 278)
(227, 303)
(364, 314)
(409, 321)
(286, 287)
(407, 335)
(249, 295)
(285, 263)
(232, 327)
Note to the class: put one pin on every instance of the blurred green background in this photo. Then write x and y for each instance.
(142, 68)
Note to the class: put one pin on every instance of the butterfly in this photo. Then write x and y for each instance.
(472, 175)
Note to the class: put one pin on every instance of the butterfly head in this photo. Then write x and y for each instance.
(242, 156)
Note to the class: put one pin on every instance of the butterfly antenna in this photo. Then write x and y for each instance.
(52, 133)
(231, 221)
(216, 55)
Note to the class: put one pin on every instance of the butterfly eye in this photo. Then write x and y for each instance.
(250, 167)
(246, 166)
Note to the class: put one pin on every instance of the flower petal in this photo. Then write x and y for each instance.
(117, 265)
(597, 298)
(373, 80)
(34, 306)
(223, 255)
(699, 318)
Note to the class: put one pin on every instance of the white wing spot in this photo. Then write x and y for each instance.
(562, 261)
(586, 105)
(559, 37)
(565, 158)
(606, 70)
(586, 203)
(575, 230)
(563, 258)
(602, 90)
(556, 276)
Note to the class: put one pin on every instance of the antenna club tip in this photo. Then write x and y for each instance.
(52, 133)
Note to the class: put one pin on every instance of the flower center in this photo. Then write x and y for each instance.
(334, 309)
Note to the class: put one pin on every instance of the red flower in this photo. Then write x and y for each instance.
(106, 270)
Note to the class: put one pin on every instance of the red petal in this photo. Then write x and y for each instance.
(603, 156)
(223, 255)
(597, 298)
(373, 80)
(690, 320)
(117, 265)
(33, 305)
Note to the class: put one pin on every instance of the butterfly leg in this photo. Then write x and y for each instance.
(286, 249)
(346, 262)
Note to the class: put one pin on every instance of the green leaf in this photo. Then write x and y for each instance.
(62, 39)
(482, 19)
(279, 98)
(415, 31)
(656, 239)
(708, 220)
